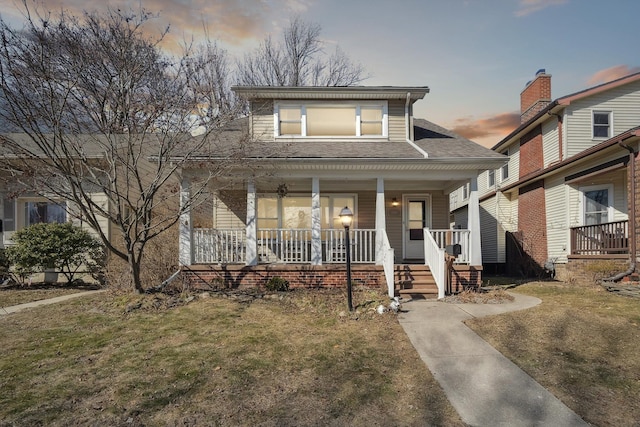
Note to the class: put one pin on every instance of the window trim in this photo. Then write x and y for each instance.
(609, 124)
(583, 200)
(491, 178)
(503, 176)
(280, 213)
(22, 204)
(358, 120)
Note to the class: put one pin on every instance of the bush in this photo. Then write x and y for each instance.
(277, 284)
(64, 248)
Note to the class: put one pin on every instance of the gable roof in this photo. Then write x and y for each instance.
(560, 103)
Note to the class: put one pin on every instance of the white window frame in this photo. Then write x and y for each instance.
(358, 121)
(23, 202)
(583, 200)
(465, 191)
(504, 176)
(280, 213)
(609, 125)
(491, 178)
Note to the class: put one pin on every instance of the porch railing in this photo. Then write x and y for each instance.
(220, 246)
(434, 258)
(600, 239)
(453, 237)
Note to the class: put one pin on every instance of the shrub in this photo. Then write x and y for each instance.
(277, 284)
(64, 248)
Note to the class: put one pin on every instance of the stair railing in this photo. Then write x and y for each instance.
(434, 258)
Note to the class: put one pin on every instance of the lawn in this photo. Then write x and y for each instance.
(299, 360)
(582, 343)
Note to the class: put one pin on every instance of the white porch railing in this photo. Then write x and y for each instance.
(452, 237)
(218, 246)
(434, 258)
(386, 257)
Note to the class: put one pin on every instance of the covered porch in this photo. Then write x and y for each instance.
(291, 224)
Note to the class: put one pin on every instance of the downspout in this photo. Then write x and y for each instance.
(632, 217)
(409, 133)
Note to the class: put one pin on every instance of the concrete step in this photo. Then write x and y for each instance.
(415, 279)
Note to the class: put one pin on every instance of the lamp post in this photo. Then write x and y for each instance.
(346, 216)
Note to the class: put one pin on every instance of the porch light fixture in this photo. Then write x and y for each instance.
(346, 216)
(394, 202)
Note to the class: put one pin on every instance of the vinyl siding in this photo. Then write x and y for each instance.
(489, 230)
(262, 120)
(556, 202)
(505, 222)
(623, 102)
(397, 125)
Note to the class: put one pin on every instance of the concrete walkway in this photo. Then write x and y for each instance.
(19, 307)
(485, 387)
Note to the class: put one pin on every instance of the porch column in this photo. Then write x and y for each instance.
(185, 233)
(475, 249)
(251, 231)
(381, 218)
(316, 238)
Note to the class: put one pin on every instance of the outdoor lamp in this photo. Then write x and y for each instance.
(394, 202)
(346, 216)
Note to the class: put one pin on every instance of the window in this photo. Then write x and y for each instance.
(294, 211)
(597, 205)
(492, 178)
(504, 170)
(601, 124)
(331, 120)
(44, 212)
(465, 191)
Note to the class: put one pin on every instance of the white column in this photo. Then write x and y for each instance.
(381, 218)
(252, 243)
(185, 253)
(475, 248)
(316, 237)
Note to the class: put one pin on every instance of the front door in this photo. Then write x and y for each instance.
(416, 216)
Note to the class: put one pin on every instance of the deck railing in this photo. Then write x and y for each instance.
(453, 237)
(600, 239)
(434, 258)
(220, 246)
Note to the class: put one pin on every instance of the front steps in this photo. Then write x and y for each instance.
(415, 281)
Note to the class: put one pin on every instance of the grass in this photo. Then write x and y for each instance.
(301, 360)
(581, 343)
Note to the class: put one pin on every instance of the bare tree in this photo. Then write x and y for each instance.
(299, 60)
(92, 99)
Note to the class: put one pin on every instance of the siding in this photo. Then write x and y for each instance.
(262, 120)
(623, 101)
(506, 221)
(489, 231)
(397, 126)
(230, 209)
(556, 201)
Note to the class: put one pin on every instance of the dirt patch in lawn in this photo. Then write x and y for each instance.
(581, 343)
(15, 294)
(298, 358)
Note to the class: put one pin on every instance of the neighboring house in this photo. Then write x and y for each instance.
(315, 150)
(566, 196)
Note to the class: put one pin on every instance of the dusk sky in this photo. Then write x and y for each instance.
(475, 55)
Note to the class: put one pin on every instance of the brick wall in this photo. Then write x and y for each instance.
(532, 221)
(590, 269)
(531, 152)
(535, 97)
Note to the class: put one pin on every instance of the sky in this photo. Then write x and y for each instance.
(476, 56)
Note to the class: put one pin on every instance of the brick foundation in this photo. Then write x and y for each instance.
(309, 276)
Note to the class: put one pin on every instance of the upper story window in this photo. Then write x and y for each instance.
(491, 178)
(601, 124)
(331, 120)
(504, 170)
(465, 191)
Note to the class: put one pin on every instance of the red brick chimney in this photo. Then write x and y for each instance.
(535, 96)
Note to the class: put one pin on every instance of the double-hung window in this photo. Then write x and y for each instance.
(504, 170)
(331, 120)
(491, 178)
(602, 124)
(597, 204)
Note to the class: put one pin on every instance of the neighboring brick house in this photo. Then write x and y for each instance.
(564, 198)
(311, 152)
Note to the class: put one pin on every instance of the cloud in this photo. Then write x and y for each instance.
(612, 73)
(528, 7)
(490, 129)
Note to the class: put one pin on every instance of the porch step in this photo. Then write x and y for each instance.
(415, 280)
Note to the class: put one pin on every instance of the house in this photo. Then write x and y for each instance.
(567, 196)
(313, 151)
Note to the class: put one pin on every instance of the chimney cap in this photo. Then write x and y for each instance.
(541, 71)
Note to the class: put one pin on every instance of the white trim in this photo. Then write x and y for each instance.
(611, 130)
(583, 204)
